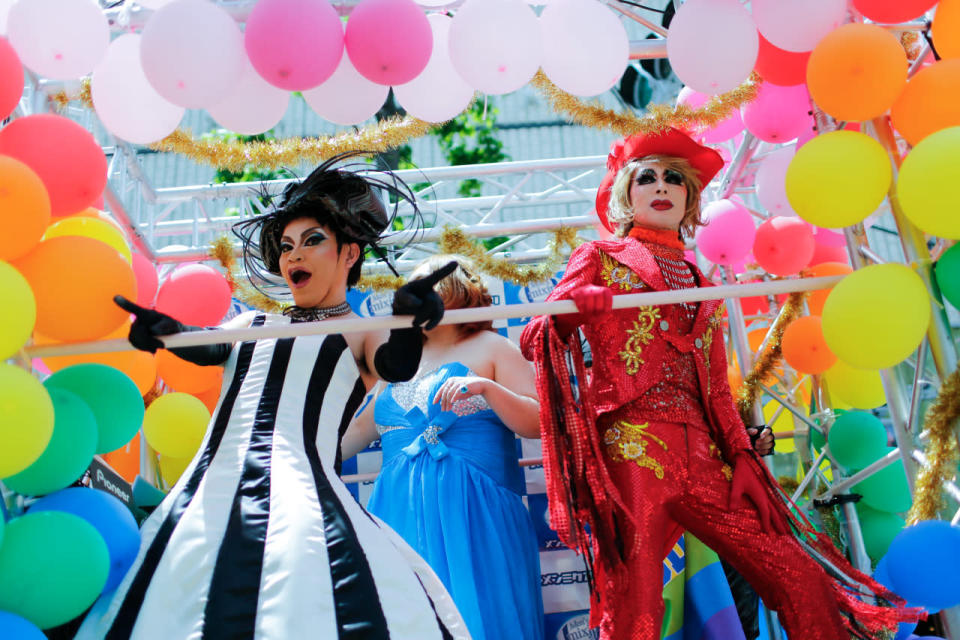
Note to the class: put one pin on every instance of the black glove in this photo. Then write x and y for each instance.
(398, 359)
(756, 436)
(150, 323)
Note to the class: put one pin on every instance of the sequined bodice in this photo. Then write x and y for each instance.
(419, 391)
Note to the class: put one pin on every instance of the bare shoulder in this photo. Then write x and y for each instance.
(494, 343)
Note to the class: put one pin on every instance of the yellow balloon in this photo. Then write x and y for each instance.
(16, 297)
(927, 185)
(26, 419)
(174, 424)
(876, 316)
(784, 422)
(172, 468)
(857, 388)
(94, 228)
(838, 179)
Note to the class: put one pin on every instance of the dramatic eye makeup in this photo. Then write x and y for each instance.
(647, 176)
(670, 176)
(314, 238)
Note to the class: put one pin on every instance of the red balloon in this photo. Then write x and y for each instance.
(147, 280)
(784, 68)
(11, 78)
(826, 253)
(783, 245)
(64, 155)
(196, 295)
(893, 10)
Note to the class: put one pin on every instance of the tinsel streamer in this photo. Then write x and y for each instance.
(380, 282)
(235, 155)
(659, 117)
(222, 250)
(941, 451)
(750, 389)
(912, 44)
(61, 98)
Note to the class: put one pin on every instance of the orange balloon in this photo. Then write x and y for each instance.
(929, 103)
(126, 459)
(211, 396)
(185, 376)
(804, 347)
(856, 71)
(24, 208)
(140, 366)
(816, 298)
(74, 280)
(946, 29)
(734, 377)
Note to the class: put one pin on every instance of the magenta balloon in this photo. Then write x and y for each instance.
(196, 294)
(294, 44)
(829, 237)
(779, 114)
(147, 281)
(728, 235)
(252, 106)
(11, 78)
(783, 246)
(770, 182)
(797, 26)
(388, 41)
(347, 97)
(712, 45)
(192, 52)
(64, 155)
(126, 103)
(59, 39)
(722, 132)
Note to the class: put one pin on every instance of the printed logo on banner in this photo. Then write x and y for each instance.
(574, 625)
(540, 514)
(563, 581)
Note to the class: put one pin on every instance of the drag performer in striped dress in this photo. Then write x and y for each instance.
(260, 538)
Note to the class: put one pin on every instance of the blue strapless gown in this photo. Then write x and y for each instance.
(450, 486)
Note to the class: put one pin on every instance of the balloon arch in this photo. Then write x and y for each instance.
(835, 117)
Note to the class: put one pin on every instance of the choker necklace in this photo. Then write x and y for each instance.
(315, 314)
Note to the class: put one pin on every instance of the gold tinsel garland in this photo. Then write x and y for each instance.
(222, 250)
(234, 155)
(749, 391)
(61, 98)
(659, 117)
(941, 451)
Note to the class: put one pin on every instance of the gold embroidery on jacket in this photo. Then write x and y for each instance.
(638, 337)
(617, 275)
(626, 441)
(725, 469)
(712, 325)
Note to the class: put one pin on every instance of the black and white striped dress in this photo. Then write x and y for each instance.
(260, 538)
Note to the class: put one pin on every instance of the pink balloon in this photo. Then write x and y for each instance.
(147, 281)
(495, 45)
(439, 93)
(783, 246)
(11, 79)
(64, 155)
(59, 39)
(192, 52)
(797, 26)
(389, 41)
(585, 47)
(826, 253)
(252, 106)
(712, 45)
(347, 97)
(728, 236)
(294, 44)
(806, 136)
(771, 182)
(127, 105)
(779, 114)
(829, 237)
(722, 132)
(196, 294)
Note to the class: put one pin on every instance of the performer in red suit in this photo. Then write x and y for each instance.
(652, 443)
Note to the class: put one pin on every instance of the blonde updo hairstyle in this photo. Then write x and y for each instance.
(462, 289)
(620, 212)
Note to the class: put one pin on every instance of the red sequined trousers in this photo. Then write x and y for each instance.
(671, 478)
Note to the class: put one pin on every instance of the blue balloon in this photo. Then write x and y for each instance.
(13, 627)
(922, 564)
(109, 516)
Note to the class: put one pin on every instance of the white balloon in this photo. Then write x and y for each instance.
(153, 4)
(438, 93)
(495, 44)
(252, 106)
(127, 105)
(585, 47)
(797, 26)
(192, 52)
(346, 97)
(4, 11)
(771, 182)
(59, 39)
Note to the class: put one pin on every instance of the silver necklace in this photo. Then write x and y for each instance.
(315, 314)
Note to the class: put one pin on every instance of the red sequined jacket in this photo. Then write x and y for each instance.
(628, 345)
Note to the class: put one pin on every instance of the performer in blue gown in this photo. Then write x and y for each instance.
(450, 483)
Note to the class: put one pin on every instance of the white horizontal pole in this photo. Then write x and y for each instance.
(454, 316)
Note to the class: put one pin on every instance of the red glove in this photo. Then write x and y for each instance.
(746, 485)
(591, 300)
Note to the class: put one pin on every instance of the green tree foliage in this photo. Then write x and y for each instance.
(471, 138)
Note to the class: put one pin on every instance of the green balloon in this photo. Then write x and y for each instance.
(53, 565)
(947, 270)
(879, 528)
(69, 452)
(887, 489)
(111, 395)
(857, 439)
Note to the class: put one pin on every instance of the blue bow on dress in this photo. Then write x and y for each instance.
(429, 439)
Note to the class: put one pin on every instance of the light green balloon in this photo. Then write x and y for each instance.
(879, 529)
(16, 324)
(26, 419)
(857, 439)
(53, 566)
(887, 489)
(69, 452)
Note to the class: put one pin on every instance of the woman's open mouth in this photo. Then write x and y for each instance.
(298, 277)
(661, 205)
